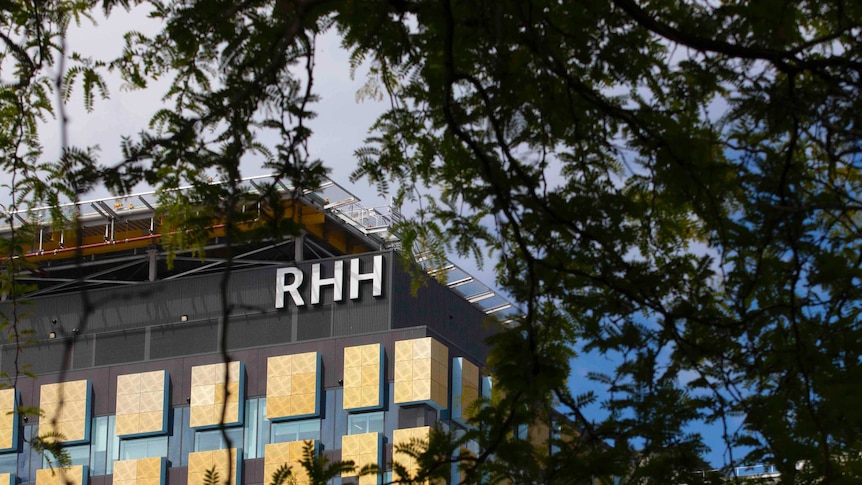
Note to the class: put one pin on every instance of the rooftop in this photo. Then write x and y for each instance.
(120, 241)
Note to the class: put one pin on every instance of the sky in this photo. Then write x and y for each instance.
(340, 127)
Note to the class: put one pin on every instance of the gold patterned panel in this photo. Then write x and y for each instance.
(142, 401)
(66, 411)
(7, 479)
(290, 454)
(402, 437)
(220, 460)
(465, 389)
(362, 450)
(73, 475)
(422, 372)
(363, 375)
(210, 392)
(8, 421)
(293, 386)
(143, 471)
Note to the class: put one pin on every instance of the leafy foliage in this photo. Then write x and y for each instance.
(673, 187)
(50, 446)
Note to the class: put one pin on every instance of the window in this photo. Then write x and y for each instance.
(556, 436)
(251, 429)
(100, 444)
(78, 454)
(214, 439)
(365, 423)
(143, 448)
(522, 431)
(308, 429)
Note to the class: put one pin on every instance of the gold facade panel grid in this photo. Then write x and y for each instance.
(129, 385)
(362, 449)
(352, 376)
(304, 363)
(128, 404)
(8, 421)
(73, 475)
(370, 375)
(422, 348)
(363, 376)
(142, 404)
(220, 460)
(8, 440)
(211, 393)
(278, 406)
(404, 371)
(369, 397)
(8, 399)
(403, 350)
(143, 471)
(422, 372)
(289, 454)
(281, 385)
(303, 404)
(66, 408)
(127, 424)
(227, 393)
(152, 401)
(352, 357)
(352, 397)
(406, 436)
(422, 368)
(125, 471)
(293, 386)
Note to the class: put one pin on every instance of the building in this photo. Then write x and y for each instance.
(325, 339)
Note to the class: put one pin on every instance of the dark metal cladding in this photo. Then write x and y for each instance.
(440, 309)
(178, 318)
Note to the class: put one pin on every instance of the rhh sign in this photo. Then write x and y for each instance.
(290, 280)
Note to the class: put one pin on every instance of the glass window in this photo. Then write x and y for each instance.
(263, 427)
(250, 428)
(327, 424)
(25, 463)
(556, 436)
(78, 454)
(99, 440)
(143, 447)
(188, 439)
(522, 431)
(175, 438)
(214, 439)
(308, 429)
(365, 423)
(113, 445)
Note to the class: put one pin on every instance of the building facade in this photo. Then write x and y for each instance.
(147, 375)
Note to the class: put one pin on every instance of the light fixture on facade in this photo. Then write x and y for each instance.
(52, 335)
(184, 318)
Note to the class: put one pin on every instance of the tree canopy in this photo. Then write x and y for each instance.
(673, 185)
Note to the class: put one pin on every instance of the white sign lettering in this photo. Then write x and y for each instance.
(288, 281)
